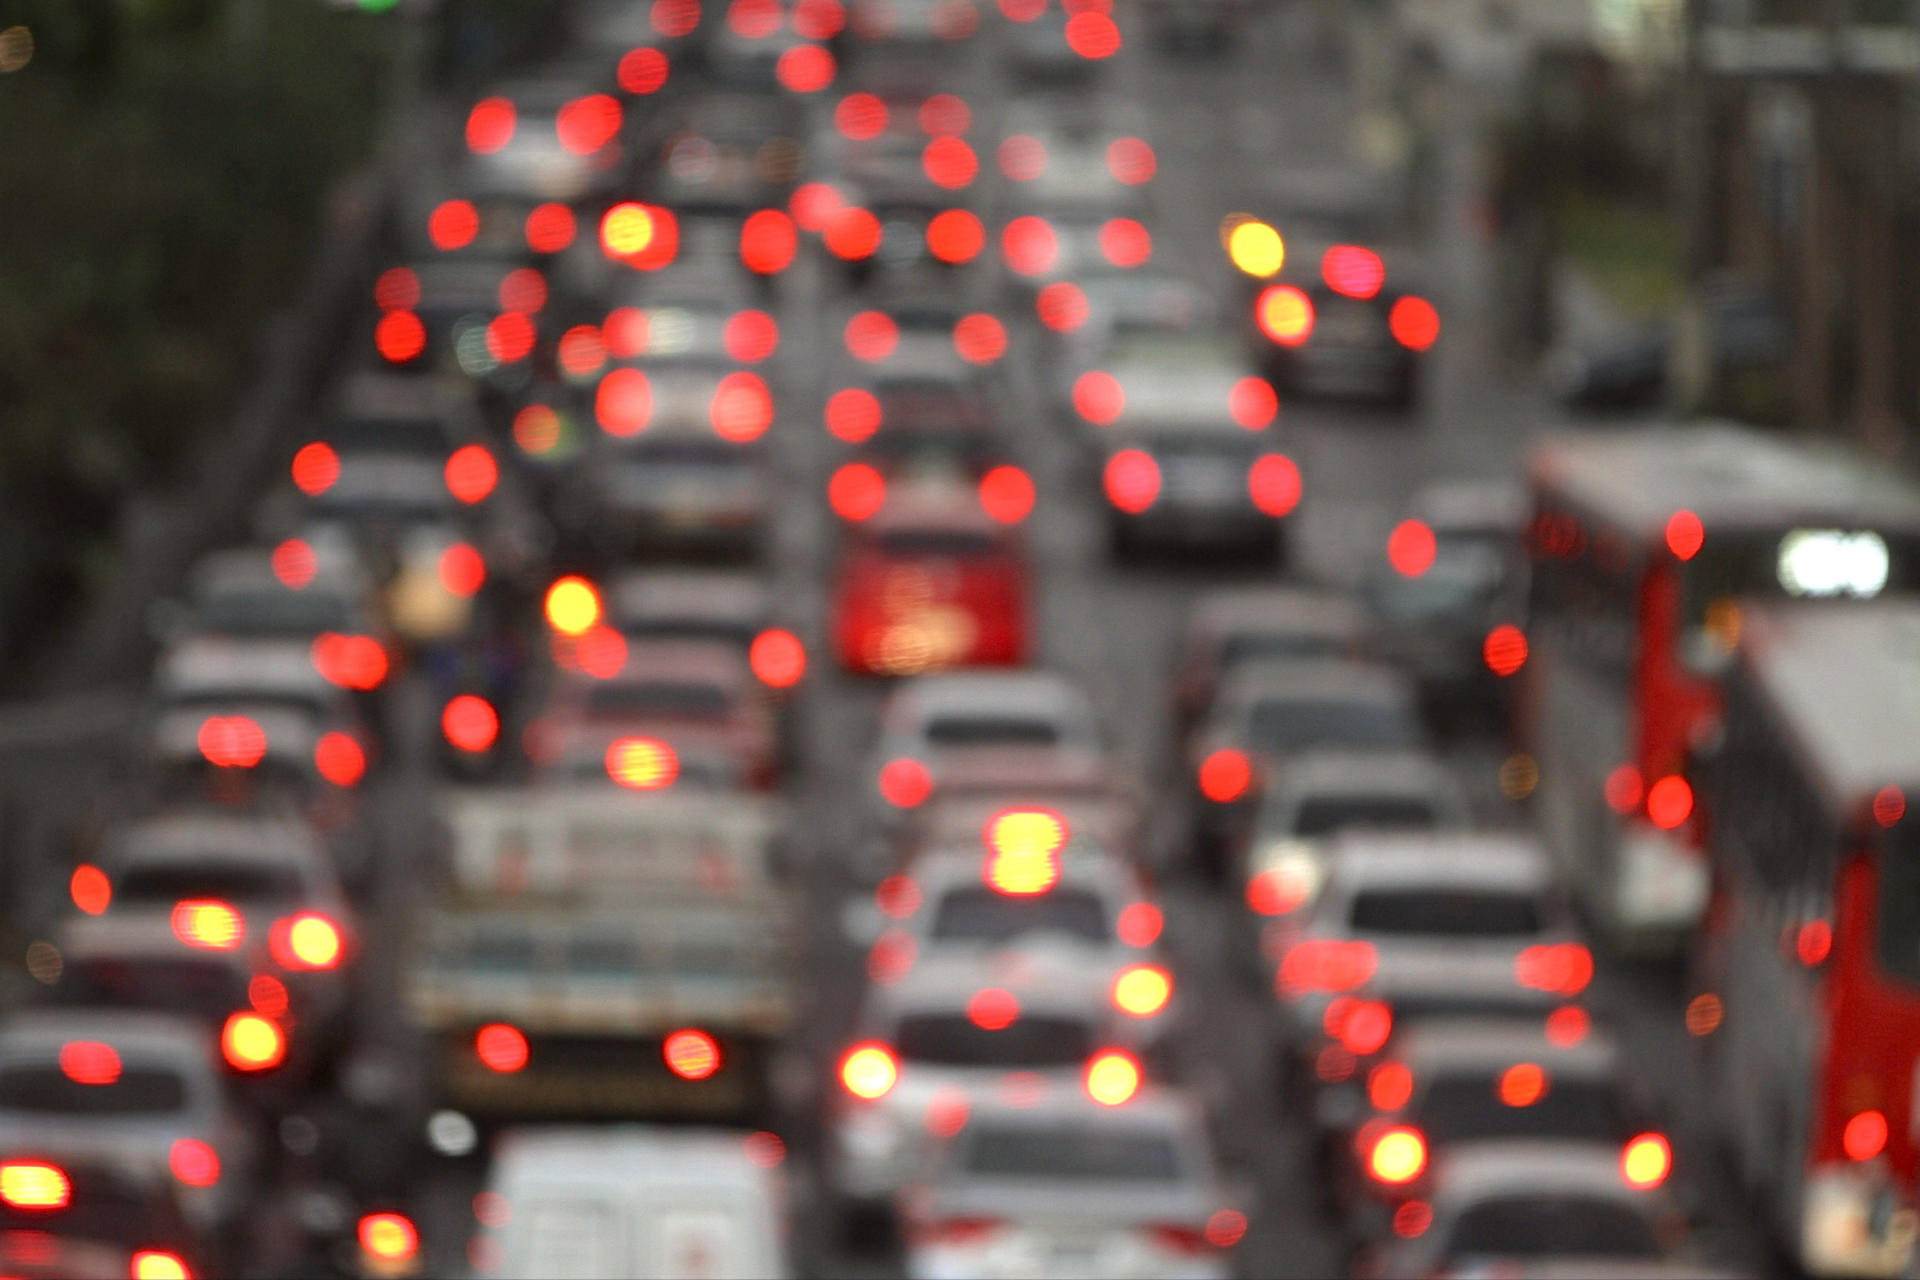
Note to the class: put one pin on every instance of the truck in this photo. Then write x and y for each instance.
(594, 953)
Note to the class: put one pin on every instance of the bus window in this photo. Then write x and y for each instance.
(1584, 603)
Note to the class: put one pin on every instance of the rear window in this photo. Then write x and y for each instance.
(392, 436)
(992, 731)
(937, 542)
(1278, 727)
(1445, 912)
(1552, 1226)
(981, 915)
(1469, 1109)
(149, 885)
(1322, 817)
(46, 1089)
(1073, 1153)
(953, 1040)
(659, 698)
(273, 613)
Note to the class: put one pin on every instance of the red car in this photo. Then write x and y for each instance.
(930, 580)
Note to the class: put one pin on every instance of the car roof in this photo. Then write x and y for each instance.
(1440, 1044)
(1323, 772)
(1380, 859)
(1317, 680)
(982, 694)
(204, 837)
(127, 1030)
(1469, 1173)
(212, 663)
(1171, 1109)
(617, 1155)
(1302, 611)
(1842, 684)
(1731, 477)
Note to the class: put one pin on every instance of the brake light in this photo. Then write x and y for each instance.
(767, 238)
(1024, 851)
(1284, 314)
(897, 897)
(453, 224)
(550, 228)
(691, 1054)
(390, 1237)
(470, 723)
(1139, 924)
(1399, 1155)
(352, 662)
(1361, 1026)
(993, 1009)
(1225, 775)
(1390, 1086)
(209, 924)
(1132, 480)
(856, 492)
(1279, 890)
(1098, 397)
(250, 1042)
(1669, 802)
(1062, 306)
(869, 1070)
(232, 742)
(626, 229)
(1006, 494)
(89, 1062)
(294, 563)
(1522, 1084)
(306, 941)
(961, 1231)
(1327, 964)
(1646, 1161)
(1253, 403)
(642, 764)
(1685, 534)
(1564, 968)
(1505, 649)
(852, 233)
(90, 889)
(502, 1047)
(742, 407)
(955, 236)
(1113, 1076)
(339, 759)
(1142, 990)
(158, 1264)
(490, 125)
(33, 1184)
(1568, 1025)
(1273, 482)
(1029, 246)
(949, 162)
(1865, 1135)
(778, 658)
(1352, 271)
(572, 606)
(194, 1162)
(1624, 788)
(623, 402)
(1414, 323)
(905, 782)
(853, 415)
(751, 336)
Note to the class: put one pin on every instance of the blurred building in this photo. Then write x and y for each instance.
(1798, 184)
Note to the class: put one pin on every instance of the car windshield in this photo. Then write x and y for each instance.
(1471, 1109)
(955, 1040)
(1324, 815)
(991, 731)
(146, 886)
(979, 914)
(1092, 1154)
(273, 612)
(1452, 913)
(1278, 726)
(936, 542)
(47, 1089)
(673, 699)
(1552, 1226)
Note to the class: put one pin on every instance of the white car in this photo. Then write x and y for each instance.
(141, 1089)
(938, 1035)
(1066, 1187)
(633, 1200)
(1033, 725)
(1244, 624)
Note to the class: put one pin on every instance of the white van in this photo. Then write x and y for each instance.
(630, 1201)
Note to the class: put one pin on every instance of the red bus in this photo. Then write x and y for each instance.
(1644, 544)
(1808, 971)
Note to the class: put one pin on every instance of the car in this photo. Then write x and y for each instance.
(913, 340)
(1057, 1184)
(71, 1219)
(729, 154)
(690, 604)
(1532, 1204)
(245, 747)
(1034, 725)
(1232, 625)
(633, 1200)
(241, 594)
(1207, 26)
(930, 431)
(190, 890)
(143, 1091)
(526, 152)
(391, 439)
(1071, 170)
(1037, 49)
(683, 315)
(1451, 1083)
(697, 700)
(898, 29)
(940, 1031)
(1313, 797)
(1109, 819)
(1394, 928)
(1269, 709)
(1341, 321)
(1126, 304)
(929, 581)
(1454, 576)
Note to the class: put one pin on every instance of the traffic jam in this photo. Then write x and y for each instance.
(787, 717)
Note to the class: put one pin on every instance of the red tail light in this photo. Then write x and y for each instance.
(1225, 775)
(623, 404)
(1390, 1086)
(33, 1184)
(91, 1062)
(1284, 314)
(1113, 1076)
(1564, 968)
(852, 233)
(232, 742)
(501, 1047)
(691, 1054)
(853, 415)
(1132, 481)
(856, 492)
(860, 116)
(949, 162)
(1100, 399)
(1411, 548)
(869, 1070)
(1139, 924)
(1361, 1026)
(1131, 161)
(250, 1042)
(1414, 323)
(905, 783)
(1006, 494)
(1093, 35)
(471, 473)
(92, 892)
(490, 125)
(1062, 306)
(194, 1162)
(956, 1231)
(550, 228)
(306, 941)
(1029, 246)
(778, 658)
(1327, 964)
(1505, 649)
(955, 236)
(462, 570)
(742, 407)
(1125, 242)
(979, 338)
(352, 662)
(209, 924)
(1865, 1135)
(1669, 802)
(993, 1009)
(158, 1264)
(340, 759)
(470, 723)
(751, 336)
(390, 1237)
(768, 240)
(453, 224)
(587, 124)
(399, 337)
(1352, 271)
(1398, 1155)
(1646, 1161)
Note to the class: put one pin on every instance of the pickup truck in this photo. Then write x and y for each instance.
(601, 954)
